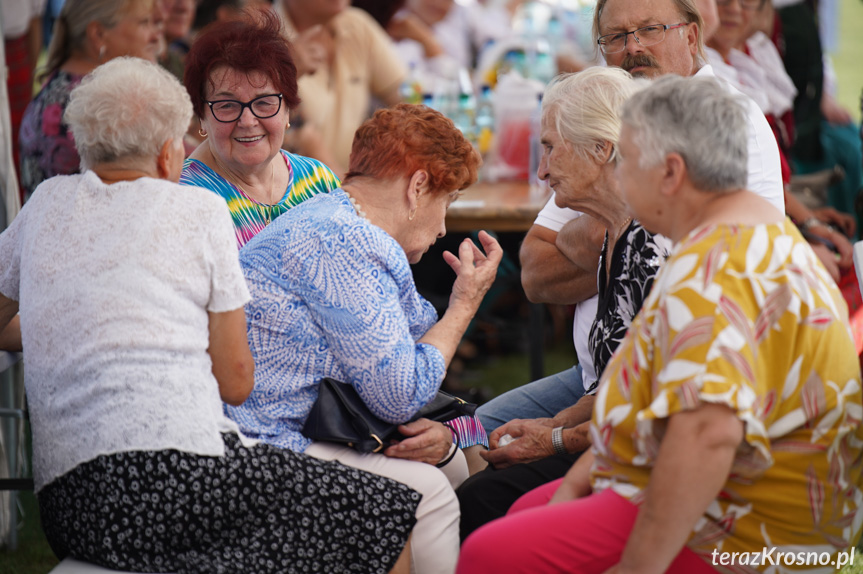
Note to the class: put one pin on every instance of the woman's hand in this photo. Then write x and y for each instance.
(408, 26)
(828, 260)
(843, 221)
(843, 246)
(427, 441)
(576, 483)
(475, 270)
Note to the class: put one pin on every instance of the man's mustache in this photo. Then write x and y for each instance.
(634, 60)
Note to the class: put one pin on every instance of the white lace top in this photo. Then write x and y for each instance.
(114, 283)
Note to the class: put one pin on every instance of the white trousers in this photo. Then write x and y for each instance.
(435, 538)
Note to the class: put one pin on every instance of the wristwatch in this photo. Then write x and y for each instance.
(557, 441)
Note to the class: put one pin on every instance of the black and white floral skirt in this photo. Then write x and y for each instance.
(255, 510)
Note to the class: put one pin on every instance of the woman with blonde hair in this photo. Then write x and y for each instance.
(87, 33)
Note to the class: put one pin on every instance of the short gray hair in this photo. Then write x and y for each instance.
(585, 107)
(126, 108)
(698, 119)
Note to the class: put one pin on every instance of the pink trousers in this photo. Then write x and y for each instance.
(585, 536)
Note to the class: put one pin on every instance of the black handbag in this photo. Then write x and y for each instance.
(340, 415)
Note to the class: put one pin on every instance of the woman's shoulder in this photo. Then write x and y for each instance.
(723, 251)
(57, 88)
(190, 197)
(309, 172)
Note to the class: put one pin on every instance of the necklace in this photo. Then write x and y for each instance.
(357, 207)
(265, 209)
(620, 228)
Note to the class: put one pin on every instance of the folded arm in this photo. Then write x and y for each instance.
(560, 267)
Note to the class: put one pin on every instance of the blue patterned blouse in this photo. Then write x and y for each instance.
(332, 296)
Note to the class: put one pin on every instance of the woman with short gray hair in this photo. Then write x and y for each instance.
(128, 115)
(133, 327)
(726, 430)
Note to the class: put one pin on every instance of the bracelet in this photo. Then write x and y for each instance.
(452, 449)
(557, 441)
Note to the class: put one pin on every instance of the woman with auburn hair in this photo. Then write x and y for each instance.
(333, 296)
(87, 33)
(243, 83)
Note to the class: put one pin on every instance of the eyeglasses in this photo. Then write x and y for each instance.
(744, 4)
(647, 36)
(262, 107)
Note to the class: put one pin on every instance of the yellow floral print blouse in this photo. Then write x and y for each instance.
(744, 316)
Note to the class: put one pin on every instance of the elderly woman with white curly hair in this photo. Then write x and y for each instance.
(726, 432)
(131, 317)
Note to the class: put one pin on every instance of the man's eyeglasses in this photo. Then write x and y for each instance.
(744, 4)
(262, 107)
(646, 36)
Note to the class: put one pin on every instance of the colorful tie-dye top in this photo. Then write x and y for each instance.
(308, 177)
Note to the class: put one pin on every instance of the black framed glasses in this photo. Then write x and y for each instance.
(262, 107)
(646, 36)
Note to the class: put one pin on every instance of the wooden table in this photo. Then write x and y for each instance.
(499, 206)
(508, 206)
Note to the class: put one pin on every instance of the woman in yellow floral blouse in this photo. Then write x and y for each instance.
(727, 428)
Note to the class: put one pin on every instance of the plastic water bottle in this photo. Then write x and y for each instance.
(535, 145)
(429, 100)
(484, 120)
(411, 90)
(464, 118)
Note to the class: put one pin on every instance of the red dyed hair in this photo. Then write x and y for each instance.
(250, 44)
(400, 140)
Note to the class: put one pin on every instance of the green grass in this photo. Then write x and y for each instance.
(33, 555)
(856, 568)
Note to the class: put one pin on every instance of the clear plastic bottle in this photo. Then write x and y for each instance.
(484, 120)
(411, 89)
(535, 145)
(464, 117)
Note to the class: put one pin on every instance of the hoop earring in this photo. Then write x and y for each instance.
(202, 133)
(102, 51)
(412, 213)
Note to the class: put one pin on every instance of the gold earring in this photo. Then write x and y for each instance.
(412, 213)
(202, 133)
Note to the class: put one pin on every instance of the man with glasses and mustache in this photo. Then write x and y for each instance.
(651, 38)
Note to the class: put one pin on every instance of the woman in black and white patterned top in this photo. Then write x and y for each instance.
(580, 130)
(635, 259)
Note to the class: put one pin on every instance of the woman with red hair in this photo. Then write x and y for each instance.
(242, 80)
(333, 296)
